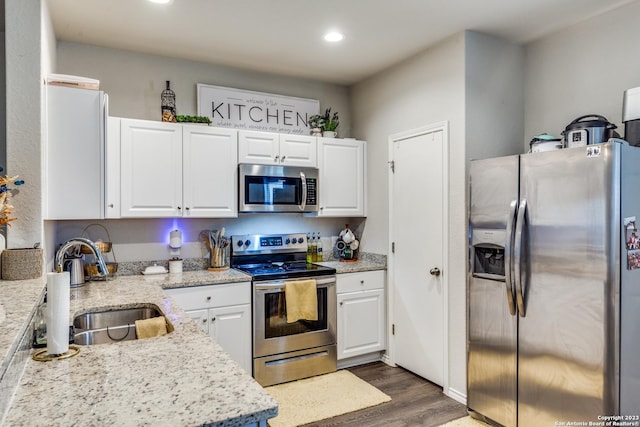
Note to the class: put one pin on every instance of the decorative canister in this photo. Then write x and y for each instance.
(22, 264)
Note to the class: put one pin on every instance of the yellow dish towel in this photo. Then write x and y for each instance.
(149, 328)
(301, 299)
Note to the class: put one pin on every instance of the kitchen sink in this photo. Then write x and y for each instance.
(115, 325)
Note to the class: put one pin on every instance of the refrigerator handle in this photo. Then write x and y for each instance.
(517, 255)
(508, 256)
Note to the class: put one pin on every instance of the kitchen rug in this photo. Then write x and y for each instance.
(325, 396)
(465, 422)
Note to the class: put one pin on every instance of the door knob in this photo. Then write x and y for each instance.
(435, 271)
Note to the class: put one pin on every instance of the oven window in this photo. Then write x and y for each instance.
(276, 316)
(270, 190)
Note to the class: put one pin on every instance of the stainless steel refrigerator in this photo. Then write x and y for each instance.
(554, 286)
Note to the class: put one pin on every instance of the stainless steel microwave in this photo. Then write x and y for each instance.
(265, 188)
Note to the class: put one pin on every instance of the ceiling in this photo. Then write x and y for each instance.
(285, 36)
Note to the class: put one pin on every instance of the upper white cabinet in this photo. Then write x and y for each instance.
(169, 170)
(267, 148)
(74, 171)
(342, 177)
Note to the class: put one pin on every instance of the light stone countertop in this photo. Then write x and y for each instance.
(183, 378)
(366, 262)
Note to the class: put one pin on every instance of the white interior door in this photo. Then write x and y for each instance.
(417, 216)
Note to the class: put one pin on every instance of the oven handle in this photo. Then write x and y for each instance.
(270, 286)
(303, 203)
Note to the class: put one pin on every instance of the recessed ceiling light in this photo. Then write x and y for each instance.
(333, 36)
(161, 1)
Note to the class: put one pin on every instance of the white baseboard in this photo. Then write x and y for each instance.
(456, 395)
(387, 360)
(359, 360)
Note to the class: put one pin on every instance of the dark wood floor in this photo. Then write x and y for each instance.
(414, 401)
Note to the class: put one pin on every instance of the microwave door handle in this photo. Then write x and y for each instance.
(303, 202)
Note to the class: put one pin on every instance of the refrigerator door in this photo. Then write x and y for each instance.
(492, 340)
(568, 350)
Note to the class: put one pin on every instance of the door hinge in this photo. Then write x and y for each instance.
(392, 164)
(393, 329)
(393, 247)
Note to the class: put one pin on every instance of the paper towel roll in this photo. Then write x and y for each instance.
(58, 297)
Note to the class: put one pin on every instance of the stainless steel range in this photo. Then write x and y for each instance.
(286, 351)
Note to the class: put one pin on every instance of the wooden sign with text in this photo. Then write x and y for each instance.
(266, 112)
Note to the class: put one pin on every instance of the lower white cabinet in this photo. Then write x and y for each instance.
(224, 312)
(361, 313)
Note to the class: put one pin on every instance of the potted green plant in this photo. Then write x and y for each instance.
(325, 124)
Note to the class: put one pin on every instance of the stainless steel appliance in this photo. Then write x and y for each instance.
(285, 351)
(264, 188)
(631, 115)
(589, 129)
(553, 295)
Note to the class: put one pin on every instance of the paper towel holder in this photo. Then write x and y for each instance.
(43, 356)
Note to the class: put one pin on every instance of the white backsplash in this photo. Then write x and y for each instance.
(148, 239)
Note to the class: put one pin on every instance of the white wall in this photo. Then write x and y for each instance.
(475, 82)
(29, 53)
(583, 69)
(134, 81)
(423, 90)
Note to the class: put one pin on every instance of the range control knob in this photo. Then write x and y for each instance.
(247, 242)
(288, 241)
(239, 243)
(300, 240)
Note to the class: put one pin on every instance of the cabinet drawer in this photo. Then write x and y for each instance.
(197, 297)
(362, 281)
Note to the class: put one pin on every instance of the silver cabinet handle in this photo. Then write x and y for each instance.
(508, 255)
(361, 282)
(110, 205)
(282, 159)
(204, 320)
(179, 208)
(341, 303)
(187, 208)
(435, 271)
(276, 159)
(208, 299)
(213, 319)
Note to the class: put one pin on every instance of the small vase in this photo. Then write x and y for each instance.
(329, 134)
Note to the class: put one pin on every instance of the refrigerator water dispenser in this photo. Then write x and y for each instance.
(487, 255)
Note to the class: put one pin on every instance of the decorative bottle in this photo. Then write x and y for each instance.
(319, 255)
(314, 248)
(308, 247)
(168, 101)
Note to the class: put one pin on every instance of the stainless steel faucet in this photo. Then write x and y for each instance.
(59, 259)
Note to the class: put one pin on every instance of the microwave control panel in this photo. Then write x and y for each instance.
(312, 191)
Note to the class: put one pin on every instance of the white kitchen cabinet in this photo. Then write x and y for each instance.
(268, 148)
(361, 313)
(74, 153)
(112, 168)
(224, 312)
(170, 170)
(342, 177)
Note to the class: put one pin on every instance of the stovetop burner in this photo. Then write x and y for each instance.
(272, 257)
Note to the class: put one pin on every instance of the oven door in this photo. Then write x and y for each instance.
(273, 335)
(277, 189)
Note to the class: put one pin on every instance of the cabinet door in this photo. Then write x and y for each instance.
(342, 177)
(298, 150)
(231, 328)
(360, 323)
(201, 317)
(112, 168)
(74, 176)
(258, 147)
(209, 164)
(150, 169)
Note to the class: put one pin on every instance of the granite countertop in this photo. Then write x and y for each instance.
(366, 262)
(183, 378)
